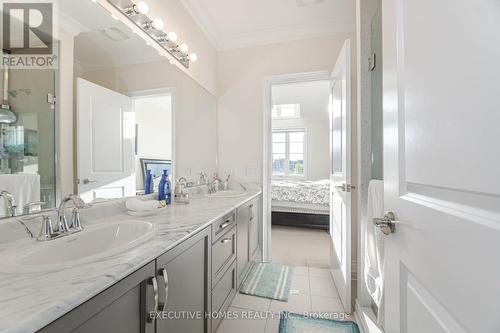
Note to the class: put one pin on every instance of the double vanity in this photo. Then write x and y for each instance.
(175, 271)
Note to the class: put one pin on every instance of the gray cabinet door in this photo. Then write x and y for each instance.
(189, 286)
(254, 224)
(242, 253)
(123, 308)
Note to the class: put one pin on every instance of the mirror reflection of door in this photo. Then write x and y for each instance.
(106, 138)
(115, 136)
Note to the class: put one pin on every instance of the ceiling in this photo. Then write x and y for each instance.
(313, 97)
(101, 41)
(243, 23)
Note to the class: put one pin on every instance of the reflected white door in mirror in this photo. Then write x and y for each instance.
(105, 145)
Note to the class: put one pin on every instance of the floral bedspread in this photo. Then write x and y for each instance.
(303, 191)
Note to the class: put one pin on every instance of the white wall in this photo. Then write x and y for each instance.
(313, 99)
(240, 78)
(153, 116)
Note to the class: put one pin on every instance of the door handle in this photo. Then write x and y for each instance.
(386, 224)
(152, 281)
(88, 181)
(345, 187)
(224, 225)
(163, 273)
(341, 187)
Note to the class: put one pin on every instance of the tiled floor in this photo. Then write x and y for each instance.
(301, 246)
(313, 291)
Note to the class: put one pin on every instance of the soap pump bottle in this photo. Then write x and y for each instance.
(168, 190)
(148, 183)
(165, 188)
(161, 187)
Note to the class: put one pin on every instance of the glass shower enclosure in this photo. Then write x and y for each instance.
(27, 136)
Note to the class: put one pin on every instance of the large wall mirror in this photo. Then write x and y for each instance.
(131, 110)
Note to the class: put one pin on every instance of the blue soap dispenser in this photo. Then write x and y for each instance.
(162, 187)
(165, 188)
(148, 183)
(168, 189)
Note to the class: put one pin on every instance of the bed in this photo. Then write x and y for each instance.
(301, 196)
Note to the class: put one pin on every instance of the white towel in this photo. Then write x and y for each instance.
(374, 251)
(138, 205)
(25, 188)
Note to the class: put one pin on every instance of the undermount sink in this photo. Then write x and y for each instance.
(227, 194)
(95, 242)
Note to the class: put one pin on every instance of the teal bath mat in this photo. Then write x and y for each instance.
(269, 281)
(295, 323)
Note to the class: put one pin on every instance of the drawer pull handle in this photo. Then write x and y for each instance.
(251, 206)
(152, 281)
(226, 240)
(225, 224)
(163, 273)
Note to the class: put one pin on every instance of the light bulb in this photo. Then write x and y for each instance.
(184, 48)
(142, 7)
(157, 24)
(172, 36)
(193, 57)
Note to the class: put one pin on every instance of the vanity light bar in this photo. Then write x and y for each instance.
(137, 14)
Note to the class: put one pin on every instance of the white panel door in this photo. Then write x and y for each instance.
(340, 175)
(106, 139)
(442, 165)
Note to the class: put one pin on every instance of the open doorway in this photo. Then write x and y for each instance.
(286, 160)
(153, 134)
(300, 186)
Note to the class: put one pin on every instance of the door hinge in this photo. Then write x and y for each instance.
(372, 62)
(51, 99)
(350, 188)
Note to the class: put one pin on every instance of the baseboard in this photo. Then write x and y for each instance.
(360, 319)
(361, 315)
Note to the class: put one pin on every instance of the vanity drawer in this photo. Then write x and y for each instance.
(223, 252)
(223, 294)
(224, 224)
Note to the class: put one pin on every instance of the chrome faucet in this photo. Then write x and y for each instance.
(214, 185)
(10, 203)
(182, 182)
(76, 226)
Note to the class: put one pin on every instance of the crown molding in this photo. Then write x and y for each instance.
(264, 36)
(286, 34)
(206, 25)
(70, 25)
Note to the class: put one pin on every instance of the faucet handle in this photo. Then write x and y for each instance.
(47, 231)
(33, 207)
(76, 224)
(63, 225)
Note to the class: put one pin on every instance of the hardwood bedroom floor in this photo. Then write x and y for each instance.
(300, 246)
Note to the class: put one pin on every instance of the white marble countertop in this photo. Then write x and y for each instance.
(30, 301)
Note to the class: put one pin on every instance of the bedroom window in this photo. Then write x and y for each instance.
(286, 111)
(289, 153)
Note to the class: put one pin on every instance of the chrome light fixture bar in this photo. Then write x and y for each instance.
(137, 13)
